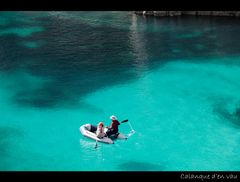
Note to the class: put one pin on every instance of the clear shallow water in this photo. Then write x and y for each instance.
(175, 79)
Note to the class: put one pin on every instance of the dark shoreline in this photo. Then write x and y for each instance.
(195, 13)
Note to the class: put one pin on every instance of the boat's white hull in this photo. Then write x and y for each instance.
(85, 132)
(93, 136)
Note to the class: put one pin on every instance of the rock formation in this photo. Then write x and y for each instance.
(196, 13)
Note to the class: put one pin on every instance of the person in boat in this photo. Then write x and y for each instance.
(100, 130)
(113, 128)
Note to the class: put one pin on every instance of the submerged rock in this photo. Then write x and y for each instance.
(237, 113)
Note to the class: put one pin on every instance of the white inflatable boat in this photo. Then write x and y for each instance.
(89, 131)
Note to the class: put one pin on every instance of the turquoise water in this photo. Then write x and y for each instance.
(175, 79)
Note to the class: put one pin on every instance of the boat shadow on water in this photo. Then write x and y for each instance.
(140, 166)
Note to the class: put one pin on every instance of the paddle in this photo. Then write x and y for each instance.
(96, 145)
(124, 121)
(132, 130)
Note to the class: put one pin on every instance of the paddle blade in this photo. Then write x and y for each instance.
(96, 145)
(124, 121)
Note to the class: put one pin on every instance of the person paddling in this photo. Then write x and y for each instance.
(113, 129)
